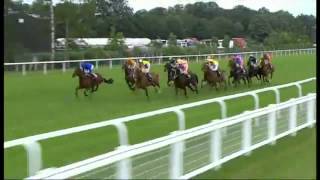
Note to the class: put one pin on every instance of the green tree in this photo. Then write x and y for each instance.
(116, 41)
(172, 40)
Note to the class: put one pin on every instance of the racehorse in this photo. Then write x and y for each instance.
(212, 77)
(142, 82)
(266, 69)
(89, 82)
(237, 74)
(129, 75)
(171, 72)
(253, 71)
(181, 82)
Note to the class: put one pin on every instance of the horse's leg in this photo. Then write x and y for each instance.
(146, 91)
(76, 92)
(97, 87)
(185, 92)
(215, 85)
(225, 85)
(229, 80)
(85, 92)
(201, 84)
(93, 87)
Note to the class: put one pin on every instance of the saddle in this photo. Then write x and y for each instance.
(93, 76)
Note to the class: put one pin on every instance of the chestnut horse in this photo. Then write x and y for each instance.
(142, 82)
(212, 77)
(88, 82)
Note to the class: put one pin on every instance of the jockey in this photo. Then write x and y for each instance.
(239, 62)
(214, 66)
(183, 66)
(173, 63)
(252, 61)
(87, 68)
(266, 59)
(145, 68)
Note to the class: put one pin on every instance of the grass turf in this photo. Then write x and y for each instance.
(39, 103)
(282, 161)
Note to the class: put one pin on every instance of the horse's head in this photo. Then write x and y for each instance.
(77, 72)
(205, 67)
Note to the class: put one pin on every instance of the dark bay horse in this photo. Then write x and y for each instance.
(181, 82)
(237, 74)
(129, 75)
(212, 77)
(142, 82)
(253, 71)
(171, 72)
(88, 82)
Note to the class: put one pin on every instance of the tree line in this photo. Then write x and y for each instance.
(202, 20)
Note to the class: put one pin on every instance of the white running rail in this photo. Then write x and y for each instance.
(185, 154)
(33, 147)
(154, 59)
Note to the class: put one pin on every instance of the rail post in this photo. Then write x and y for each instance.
(45, 68)
(110, 64)
(176, 159)
(97, 64)
(223, 108)
(310, 112)
(277, 94)
(256, 106)
(24, 69)
(246, 135)
(272, 126)
(64, 67)
(124, 167)
(293, 118)
(181, 119)
(122, 133)
(215, 148)
(34, 157)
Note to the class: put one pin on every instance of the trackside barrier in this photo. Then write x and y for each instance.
(174, 141)
(159, 58)
(33, 148)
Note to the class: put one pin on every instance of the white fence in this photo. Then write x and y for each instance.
(33, 147)
(155, 59)
(185, 154)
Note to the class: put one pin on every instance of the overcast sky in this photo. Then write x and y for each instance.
(295, 7)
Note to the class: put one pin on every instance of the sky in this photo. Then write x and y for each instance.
(295, 7)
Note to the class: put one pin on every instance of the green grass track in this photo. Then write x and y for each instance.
(38, 103)
(291, 158)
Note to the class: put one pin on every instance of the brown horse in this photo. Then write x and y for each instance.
(89, 82)
(142, 82)
(129, 75)
(237, 74)
(212, 77)
(266, 69)
(182, 82)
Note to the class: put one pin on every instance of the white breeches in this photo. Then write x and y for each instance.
(214, 67)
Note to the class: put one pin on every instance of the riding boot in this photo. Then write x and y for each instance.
(149, 77)
(218, 73)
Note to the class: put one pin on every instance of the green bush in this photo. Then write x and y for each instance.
(94, 53)
(75, 55)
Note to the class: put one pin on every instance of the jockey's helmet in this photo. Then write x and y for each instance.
(140, 61)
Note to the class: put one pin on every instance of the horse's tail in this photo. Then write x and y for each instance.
(108, 81)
